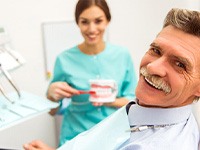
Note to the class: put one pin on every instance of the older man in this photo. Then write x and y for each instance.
(161, 117)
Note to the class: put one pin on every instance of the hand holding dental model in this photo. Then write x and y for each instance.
(102, 91)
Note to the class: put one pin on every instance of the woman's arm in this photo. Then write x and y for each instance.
(119, 102)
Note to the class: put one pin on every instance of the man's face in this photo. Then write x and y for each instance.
(170, 70)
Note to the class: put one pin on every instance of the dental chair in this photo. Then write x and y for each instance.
(196, 111)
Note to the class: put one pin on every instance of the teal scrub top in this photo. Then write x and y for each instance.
(77, 68)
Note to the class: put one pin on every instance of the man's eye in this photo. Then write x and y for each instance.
(155, 50)
(180, 65)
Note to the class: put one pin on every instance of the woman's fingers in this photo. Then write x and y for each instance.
(59, 90)
(97, 104)
(37, 145)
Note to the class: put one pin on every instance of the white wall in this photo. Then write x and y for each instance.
(134, 24)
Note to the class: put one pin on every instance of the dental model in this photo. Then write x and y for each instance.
(102, 90)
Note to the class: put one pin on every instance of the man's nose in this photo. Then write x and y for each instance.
(158, 67)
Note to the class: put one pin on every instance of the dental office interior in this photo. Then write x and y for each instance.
(28, 32)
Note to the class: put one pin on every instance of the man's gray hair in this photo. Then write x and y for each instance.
(185, 20)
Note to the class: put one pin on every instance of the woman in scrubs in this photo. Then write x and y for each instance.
(92, 59)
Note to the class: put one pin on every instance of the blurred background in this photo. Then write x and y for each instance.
(134, 24)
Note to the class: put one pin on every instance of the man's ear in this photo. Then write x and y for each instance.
(198, 91)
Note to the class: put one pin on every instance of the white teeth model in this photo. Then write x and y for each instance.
(105, 90)
(102, 91)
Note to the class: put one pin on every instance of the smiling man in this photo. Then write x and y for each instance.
(170, 70)
(161, 116)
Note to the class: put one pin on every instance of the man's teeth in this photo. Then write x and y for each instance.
(154, 85)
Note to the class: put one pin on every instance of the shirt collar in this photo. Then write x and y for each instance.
(139, 115)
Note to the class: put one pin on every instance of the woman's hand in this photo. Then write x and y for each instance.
(37, 145)
(60, 90)
(119, 102)
(97, 104)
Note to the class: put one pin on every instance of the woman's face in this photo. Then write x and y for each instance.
(92, 23)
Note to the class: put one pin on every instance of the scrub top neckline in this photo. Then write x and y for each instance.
(98, 54)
